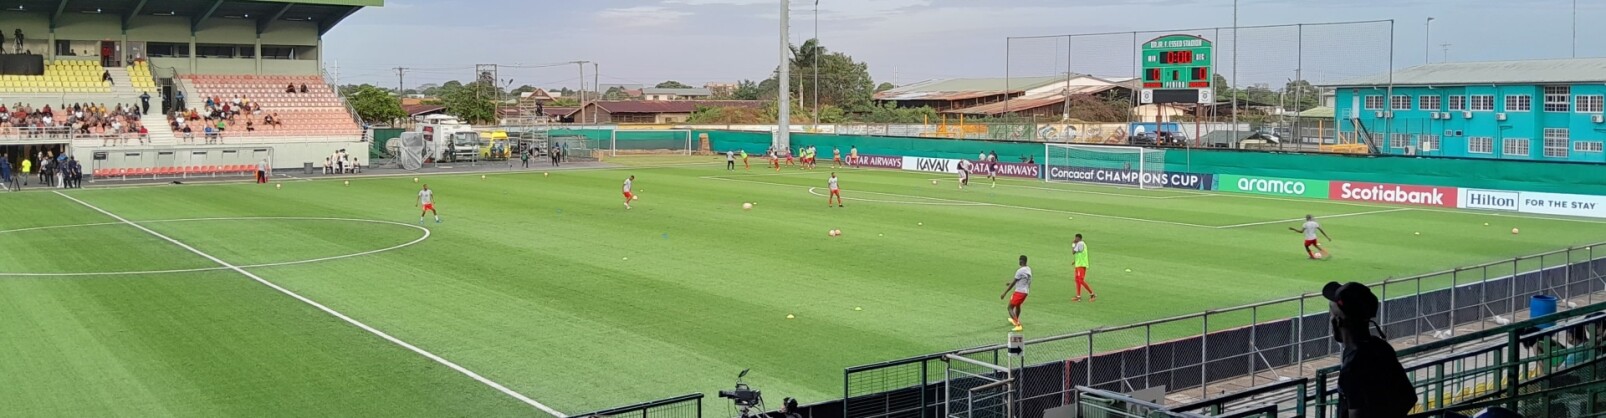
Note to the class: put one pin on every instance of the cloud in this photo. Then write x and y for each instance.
(641, 16)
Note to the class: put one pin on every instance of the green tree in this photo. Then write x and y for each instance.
(748, 90)
(473, 102)
(671, 84)
(616, 93)
(374, 105)
(884, 87)
(523, 89)
(566, 101)
(842, 81)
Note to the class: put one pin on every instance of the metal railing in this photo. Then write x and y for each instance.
(684, 406)
(1252, 343)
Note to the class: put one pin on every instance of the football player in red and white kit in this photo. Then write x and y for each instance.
(836, 192)
(629, 196)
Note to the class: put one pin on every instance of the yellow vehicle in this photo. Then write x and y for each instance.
(494, 145)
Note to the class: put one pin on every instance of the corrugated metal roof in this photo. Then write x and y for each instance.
(672, 106)
(678, 92)
(1554, 71)
(966, 88)
(1318, 112)
(1024, 103)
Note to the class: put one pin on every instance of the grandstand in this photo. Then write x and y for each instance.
(108, 53)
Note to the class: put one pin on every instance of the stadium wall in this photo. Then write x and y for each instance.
(286, 156)
(1533, 176)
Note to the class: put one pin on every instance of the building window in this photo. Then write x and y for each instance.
(1429, 142)
(1519, 103)
(1556, 99)
(1399, 141)
(1430, 103)
(1515, 147)
(1458, 103)
(1480, 145)
(1590, 104)
(1483, 103)
(1587, 146)
(1400, 102)
(1556, 140)
(1374, 102)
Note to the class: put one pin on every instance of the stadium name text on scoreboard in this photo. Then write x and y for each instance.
(1177, 69)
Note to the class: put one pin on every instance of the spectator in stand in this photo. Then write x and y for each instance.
(189, 135)
(18, 36)
(106, 76)
(144, 135)
(290, 88)
(145, 103)
(303, 88)
(210, 134)
(1371, 382)
(250, 126)
(178, 102)
(5, 174)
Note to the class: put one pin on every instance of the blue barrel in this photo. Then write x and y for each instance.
(1541, 305)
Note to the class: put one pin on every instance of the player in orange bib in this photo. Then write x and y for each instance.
(836, 192)
(426, 198)
(629, 196)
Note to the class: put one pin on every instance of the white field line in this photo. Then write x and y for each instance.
(282, 263)
(244, 180)
(939, 202)
(1342, 215)
(953, 202)
(336, 314)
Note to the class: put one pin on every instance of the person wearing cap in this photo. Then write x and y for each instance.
(1371, 382)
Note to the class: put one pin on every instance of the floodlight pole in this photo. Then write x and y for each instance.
(783, 131)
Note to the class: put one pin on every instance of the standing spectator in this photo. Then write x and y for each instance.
(5, 174)
(3, 48)
(18, 35)
(1371, 382)
(145, 103)
(75, 173)
(178, 102)
(27, 169)
(262, 172)
(525, 156)
(556, 153)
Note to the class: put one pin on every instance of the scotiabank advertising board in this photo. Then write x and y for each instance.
(1176, 180)
(1398, 194)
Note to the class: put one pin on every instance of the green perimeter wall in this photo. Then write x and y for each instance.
(1529, 176)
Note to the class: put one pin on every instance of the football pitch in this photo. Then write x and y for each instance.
(544, 292)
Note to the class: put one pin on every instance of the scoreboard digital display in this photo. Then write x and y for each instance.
(1178, 62)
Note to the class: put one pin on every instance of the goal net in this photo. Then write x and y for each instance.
(674, 141)
(1118, 165)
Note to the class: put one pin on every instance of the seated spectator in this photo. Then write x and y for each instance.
(303, 88)
(328, 165)
(290, 88)
(210, 134)
(250, 126)
(189, 135)
(144, 135)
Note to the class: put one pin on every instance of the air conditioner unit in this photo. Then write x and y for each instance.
(1379, 114)
(1441, 115)
(1600, 118)
(1427, 147)
(1449, 133)
(1467, 114)
(1500, 116)
(1433, 115)
(1410, 150)
(1388, 115)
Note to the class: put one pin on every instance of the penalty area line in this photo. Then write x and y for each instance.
(1342, 215)
(381, 334)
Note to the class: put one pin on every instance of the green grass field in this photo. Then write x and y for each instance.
(527, 282)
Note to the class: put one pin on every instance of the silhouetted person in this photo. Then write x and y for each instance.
(303, 88)
(145, 102)
(18, 36)
(1371, 382)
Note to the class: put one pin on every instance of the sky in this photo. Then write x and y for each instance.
(906, 41)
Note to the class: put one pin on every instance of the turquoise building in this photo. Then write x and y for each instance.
(1543, 110)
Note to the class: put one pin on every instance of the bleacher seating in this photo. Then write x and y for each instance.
(139, 75)
(61, 76)
(318, 112)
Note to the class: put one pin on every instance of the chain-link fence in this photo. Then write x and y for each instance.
(1263, 78)
(1197, 356)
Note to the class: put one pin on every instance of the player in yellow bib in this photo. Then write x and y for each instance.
(1079, 250)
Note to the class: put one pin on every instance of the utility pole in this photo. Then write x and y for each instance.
(596, 81)
(401, 81)
(1446, 51)
(816, 65)
(1427, 41)
(582, 65)
(783, 131)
